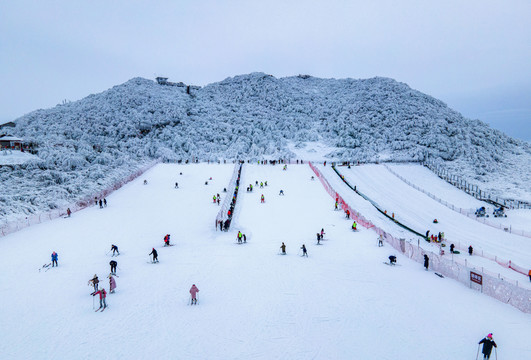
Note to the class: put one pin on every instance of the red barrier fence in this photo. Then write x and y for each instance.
(12, 226)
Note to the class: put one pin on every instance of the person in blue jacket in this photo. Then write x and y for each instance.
(54, 259)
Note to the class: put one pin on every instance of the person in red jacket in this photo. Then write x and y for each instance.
(262, 199)
(103, 295)
(193, 292)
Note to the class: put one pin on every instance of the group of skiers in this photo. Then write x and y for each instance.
(242, 238)
(102, 203)
(303, 248)
(320, 236)
(94, 282)
(216, 199)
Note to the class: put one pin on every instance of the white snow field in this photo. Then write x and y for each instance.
(341, 302)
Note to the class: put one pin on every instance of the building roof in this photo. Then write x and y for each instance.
(10, 138)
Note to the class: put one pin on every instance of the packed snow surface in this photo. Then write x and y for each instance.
(342, 302)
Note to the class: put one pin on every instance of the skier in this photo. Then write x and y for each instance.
(239, 237)
(470, 250)
(68, 212)
(313, 178)
(318, 239)
(488, 343)
(113, 264)
(452, 246)
(392, 260)
(354, 225)
(283, 248)
(380, 241)
(145, 182)
(426, 261)
(167, 240)
(427, 233)
(155, 255)
(281, 192)
(214, 198)
(322, 233)
(335, 207)
(101, 204)
(347, 213)
(265, 183)
(261, 185)
(244, 238)
(262, 199)
(304, 252)
(103, 295)
(193, 291)
(54, 259)
(176, 185)
(104, 202)
(112, 284)
(95, 283)
(95, 200)
(219, 200)
(114, 249)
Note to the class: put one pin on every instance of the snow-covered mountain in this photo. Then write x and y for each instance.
(86, 145)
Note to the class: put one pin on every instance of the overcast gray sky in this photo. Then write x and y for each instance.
(474, 55)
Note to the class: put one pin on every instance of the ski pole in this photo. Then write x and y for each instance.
(496, 352)
(92, 302)
(477, 353)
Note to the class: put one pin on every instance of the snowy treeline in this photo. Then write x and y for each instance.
(86, 145)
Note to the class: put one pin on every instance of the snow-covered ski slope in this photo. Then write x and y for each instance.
(417, 210)
(341, 302)
(425, 179)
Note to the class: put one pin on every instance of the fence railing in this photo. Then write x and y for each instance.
(15, 225)
(473, 189)
(493, 285)
(224, 216)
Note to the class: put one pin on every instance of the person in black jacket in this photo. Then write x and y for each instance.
(155, 255)
(114, 249)
(426, 261)
(113, 264)
(488, 343)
